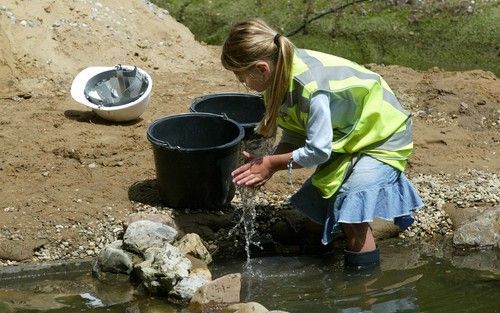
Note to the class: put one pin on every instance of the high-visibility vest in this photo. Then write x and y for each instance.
(367, 118)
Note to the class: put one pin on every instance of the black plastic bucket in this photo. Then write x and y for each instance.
(246, 109)
(194, 155)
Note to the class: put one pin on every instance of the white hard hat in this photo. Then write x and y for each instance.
(120, 93)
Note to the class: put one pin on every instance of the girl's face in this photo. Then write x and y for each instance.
(257, 78)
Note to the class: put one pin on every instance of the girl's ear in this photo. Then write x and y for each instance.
(264, 68)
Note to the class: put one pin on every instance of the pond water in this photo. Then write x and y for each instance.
(305, 285)
(407, 281)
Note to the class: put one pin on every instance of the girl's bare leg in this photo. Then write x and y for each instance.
(359, 237)
(361, 252)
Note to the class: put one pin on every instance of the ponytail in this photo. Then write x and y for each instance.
(252, 41)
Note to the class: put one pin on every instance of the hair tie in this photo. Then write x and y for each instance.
(277, 39)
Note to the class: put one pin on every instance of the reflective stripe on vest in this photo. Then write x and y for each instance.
(367, 118)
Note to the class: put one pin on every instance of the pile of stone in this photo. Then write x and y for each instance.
(152, 254)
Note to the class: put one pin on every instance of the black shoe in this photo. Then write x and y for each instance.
(361, 260)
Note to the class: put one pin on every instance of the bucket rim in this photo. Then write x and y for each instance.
(226, 94)
(165, 145)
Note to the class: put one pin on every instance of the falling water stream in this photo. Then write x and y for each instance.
(257, 147)
(247, 218)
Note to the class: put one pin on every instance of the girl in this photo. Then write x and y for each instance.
(337, 116)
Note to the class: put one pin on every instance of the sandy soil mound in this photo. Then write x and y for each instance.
(44, 43)
(65, 173)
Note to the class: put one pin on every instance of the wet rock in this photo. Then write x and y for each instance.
(199, 268)
(225, 289)
(193, 245)
(482, 260)
(114, 259)
(144, 234)
(163, 268)
(184, 290)
(484, 230)
(249, 307)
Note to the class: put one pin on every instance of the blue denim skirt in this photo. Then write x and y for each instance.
(372, 190)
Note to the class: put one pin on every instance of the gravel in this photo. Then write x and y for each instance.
(471, 189)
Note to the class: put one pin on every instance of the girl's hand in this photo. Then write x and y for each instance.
(255, 173)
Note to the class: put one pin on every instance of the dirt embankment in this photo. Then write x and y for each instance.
(66, 174)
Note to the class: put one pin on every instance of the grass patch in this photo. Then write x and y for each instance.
(453, 34)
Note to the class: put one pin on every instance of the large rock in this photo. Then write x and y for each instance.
(478, 259)
(163, 268)
(199, 268)
(144, 234)
(184, 290)
(223, 290)
(114, 259)
(193, 245)
(484, 230)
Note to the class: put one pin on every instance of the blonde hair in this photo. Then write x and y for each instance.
(252, 41)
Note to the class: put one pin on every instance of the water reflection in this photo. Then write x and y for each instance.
(420, 284)
(409, 280)
(317, 285)
(63, 292)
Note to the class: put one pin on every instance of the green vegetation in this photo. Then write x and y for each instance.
(452, 34)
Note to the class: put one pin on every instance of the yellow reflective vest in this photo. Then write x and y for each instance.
(367, 118)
